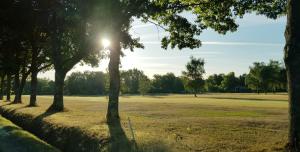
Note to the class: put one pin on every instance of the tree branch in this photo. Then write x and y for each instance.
(184, 6)
(156, 24)
(44, 67)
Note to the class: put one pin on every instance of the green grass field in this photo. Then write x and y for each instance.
(210, 122)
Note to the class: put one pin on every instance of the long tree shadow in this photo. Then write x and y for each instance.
(7, 104)
(40, 117)
(118, 139)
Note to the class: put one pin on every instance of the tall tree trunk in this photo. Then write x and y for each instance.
(8, 87)
(292, 62)
(2, 86)
(33, 88)
(16, 86)
(58, 102)
(114, 83)
(34, 73)
(18, 97)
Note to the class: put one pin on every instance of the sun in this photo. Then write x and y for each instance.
(105, 43)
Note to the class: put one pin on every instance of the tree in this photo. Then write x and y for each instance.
(195, 71)
(256, 79)
(21, 74)
(266, 77)
(242, 84)
(87, 83)
(44, 87)
(144, 85)
(73, 39)
(166, 14)
(40, 50)
(130, 80)
(213, 83)
(167, 83)
(230, 83)
(275, 69)
(96, 82)
(2, 85)
(283, 80)
(8, 88)
(292, 63)
(14, 26)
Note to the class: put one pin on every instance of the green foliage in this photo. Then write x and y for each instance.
(266, 77)
(213, 83)
(87, 83)
(44, 87)
(134, 81)
(230, 82)
(194, 74)
(167, 83)
(130, 80)
(144, 85)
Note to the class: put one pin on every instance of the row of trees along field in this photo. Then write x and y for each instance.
(262, 77)
(40, 34)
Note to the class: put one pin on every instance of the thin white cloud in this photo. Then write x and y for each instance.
(227, 43)
(242, 43)
(142, 58)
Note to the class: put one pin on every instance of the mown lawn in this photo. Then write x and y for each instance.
(14, 139)
(210, 122)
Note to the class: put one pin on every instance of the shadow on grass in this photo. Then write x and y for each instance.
(7, 104)
(118, 139)
(13, 110)
(40, 117)
(119, 142)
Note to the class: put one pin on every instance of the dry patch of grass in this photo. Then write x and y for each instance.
(211, 122)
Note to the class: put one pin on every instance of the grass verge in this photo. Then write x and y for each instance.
(15, 139)
(67, 139)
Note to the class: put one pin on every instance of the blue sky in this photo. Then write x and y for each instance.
(258, 39)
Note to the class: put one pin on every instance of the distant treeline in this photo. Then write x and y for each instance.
(262, 77)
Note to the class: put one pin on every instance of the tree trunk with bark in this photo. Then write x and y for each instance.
(114, 84)
(8, 88)
(33, 89)
(2, 86)
(58, 102)
(60, 74)
(16, 86)
(34, 73)
(18, 97)
(292, 62)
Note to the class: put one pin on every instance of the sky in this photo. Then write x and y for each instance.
(258, 39)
